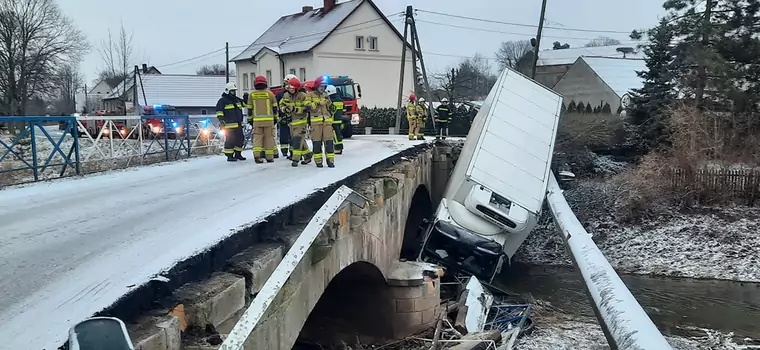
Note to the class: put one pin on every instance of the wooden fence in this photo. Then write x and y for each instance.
(719, 183)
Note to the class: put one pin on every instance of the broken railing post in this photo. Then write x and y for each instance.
(623, 320)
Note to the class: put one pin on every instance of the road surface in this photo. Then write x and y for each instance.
(70, 248)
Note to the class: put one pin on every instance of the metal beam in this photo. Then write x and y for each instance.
(624, 322)
(289, 263)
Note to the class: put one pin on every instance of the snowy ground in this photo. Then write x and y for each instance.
(558, 331)
(71, 247)
(706, 242)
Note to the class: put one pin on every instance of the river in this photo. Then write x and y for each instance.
(726, 306)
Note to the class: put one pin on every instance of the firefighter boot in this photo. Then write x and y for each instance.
(420, 138)
(330, 162)
(307, 158)
(239, 156)
(231, 157)
(258, 160)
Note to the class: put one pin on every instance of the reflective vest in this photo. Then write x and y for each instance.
(337, 110)
(261, 105)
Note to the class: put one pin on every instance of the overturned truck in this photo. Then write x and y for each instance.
(494, 196)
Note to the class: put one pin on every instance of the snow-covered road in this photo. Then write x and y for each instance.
(70, 248)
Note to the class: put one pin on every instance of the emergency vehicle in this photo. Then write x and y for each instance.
(350, 92)
(156, 125)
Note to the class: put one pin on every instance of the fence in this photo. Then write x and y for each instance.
(87, 144)
(31, 148)
(727, 183)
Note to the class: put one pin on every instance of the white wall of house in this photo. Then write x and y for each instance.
(243, 71)
(376, 68)
(302, 64)
(268, 61)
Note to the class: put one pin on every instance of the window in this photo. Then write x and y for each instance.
(302, 73)
(292, 71)
(359, 42)
(346, 92)
(245, 81)
(203, 112)
(269, 77)
(253, 79)
(373, 43)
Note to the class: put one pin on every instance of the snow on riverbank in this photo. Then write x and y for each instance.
(705, 242)
(564, 332)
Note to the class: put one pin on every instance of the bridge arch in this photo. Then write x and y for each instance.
(354, 307)
(421, 208)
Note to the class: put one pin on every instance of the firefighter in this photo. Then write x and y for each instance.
(338, 109)
(262, 108)
(411, 116)
(321, 124)
(229, 111)
(283, 122)
(309, 86)
(296, 105)
(442, 119)
(422, 114)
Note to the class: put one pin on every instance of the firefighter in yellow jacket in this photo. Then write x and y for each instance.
(412, 113)
(422, 116)
(297, 106)
(321, 124)
(262, 109)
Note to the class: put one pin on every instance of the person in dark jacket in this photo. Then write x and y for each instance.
(229, 111)
(338, 110)
(443, 115)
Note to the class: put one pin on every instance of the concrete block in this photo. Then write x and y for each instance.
(212, 301)
(156, 333)
(407, 320)
(410, 292)
(429, 316)
(426, 303)
(256, 264)
(405, 305)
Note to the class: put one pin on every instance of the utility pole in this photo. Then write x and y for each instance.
(134, 91)
(537, 42)
(410, 27)
(407, 15)
(86, 99)
(227, 59)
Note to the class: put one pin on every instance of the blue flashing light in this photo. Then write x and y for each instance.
(206, 122)
(175, 124)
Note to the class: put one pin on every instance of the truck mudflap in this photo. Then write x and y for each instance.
(462, 252)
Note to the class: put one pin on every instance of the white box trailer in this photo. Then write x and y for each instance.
(494, 196)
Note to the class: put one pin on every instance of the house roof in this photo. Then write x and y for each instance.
(301, 32)
(618, 73)
(569, 56)
(181, 90)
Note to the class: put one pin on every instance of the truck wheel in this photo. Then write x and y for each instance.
(348, 131)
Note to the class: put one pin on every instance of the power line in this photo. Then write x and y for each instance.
(500, 31)
(522, 24)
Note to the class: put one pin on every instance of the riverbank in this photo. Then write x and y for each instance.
(558, 331)
(706, 242)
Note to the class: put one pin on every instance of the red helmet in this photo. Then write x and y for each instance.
(309, 85)
(294, 82)
(260, 80)
(412, 97)
(320, 81)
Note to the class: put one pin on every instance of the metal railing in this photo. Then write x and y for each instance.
(264, 299)
(23, 151)
(625, 323)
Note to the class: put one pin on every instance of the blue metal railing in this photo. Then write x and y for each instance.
(31, 127)
(179, 127)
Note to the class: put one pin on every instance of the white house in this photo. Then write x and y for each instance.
(352, 38)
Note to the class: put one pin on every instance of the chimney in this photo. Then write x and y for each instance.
(328, 5)
(145, 68)
(306, 9)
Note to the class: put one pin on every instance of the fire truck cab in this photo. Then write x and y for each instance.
(156, 125)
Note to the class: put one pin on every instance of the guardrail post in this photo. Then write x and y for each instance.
(166, 138)
(75, 133)
(187, 135)
(34, 151)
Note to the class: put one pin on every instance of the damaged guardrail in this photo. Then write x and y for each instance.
(624, 322)
(251, 317)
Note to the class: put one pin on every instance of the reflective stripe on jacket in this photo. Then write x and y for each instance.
(229, 109)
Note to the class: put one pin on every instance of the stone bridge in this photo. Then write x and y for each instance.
(351, 286)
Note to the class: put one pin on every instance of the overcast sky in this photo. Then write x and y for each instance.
(170, 31)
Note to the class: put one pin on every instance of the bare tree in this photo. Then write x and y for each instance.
(213, 69)
(602, 41)
(117, 58)
(35, 39)
(510, 52)
(70, 82)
